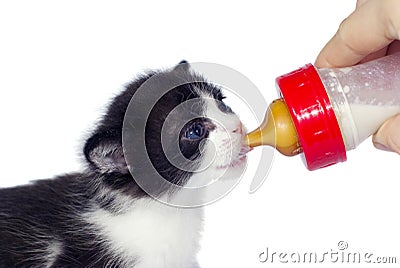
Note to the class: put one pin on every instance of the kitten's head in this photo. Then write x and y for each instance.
(170, 125)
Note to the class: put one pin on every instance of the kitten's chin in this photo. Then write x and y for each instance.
(239, 162)
(220, 172)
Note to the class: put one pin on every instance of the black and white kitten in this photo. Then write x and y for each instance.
(101, 217)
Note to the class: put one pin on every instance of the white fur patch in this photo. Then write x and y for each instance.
(228, 135)
(222, 154)
(151, 234)
(54, 249)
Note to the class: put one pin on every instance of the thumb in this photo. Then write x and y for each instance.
(370, 28)
(388, 135)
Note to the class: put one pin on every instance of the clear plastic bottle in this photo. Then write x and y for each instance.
(363, 96)
(331, 110)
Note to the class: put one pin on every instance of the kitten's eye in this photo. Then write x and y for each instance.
(196, 131)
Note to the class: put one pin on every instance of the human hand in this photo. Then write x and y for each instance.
(370, 32)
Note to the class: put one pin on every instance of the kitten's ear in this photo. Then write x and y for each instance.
(104, 152)
(182, 65)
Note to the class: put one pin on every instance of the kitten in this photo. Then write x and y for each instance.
(108, 215)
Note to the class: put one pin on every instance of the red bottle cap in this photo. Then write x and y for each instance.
(313, 117)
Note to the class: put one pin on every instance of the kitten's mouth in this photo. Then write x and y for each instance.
(240, 159)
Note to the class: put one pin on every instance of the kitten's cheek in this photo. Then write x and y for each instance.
(208, 150)
(203, 146)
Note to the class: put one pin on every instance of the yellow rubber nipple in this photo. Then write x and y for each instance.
(276, 130)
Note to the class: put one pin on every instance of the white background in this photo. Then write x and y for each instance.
(60, 62)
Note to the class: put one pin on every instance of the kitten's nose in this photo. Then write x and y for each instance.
(239, 129)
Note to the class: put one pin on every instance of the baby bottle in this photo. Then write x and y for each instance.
(325, 112)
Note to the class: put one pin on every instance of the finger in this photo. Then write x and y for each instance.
(394, 47)
(375, 55)
(388, 136)
(368, 29)
(360, 3)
